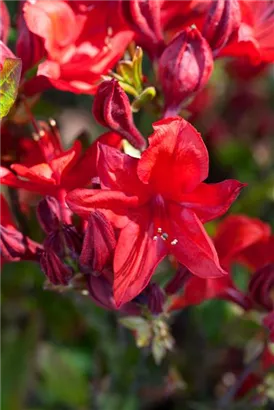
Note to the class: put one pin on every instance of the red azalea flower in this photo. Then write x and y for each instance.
(237, 237)
(59, 170)
(160, 202)
(81, 44)
(255, 35)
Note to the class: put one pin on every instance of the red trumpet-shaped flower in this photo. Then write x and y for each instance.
(59, 171)
(254, 39)
(160, 203)
(81, 43)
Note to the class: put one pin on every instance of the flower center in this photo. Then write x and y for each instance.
(161, 221)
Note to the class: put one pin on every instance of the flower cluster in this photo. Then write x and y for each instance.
(113, 213)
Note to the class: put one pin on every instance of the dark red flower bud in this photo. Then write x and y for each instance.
(99, 244)
(48, 214)
(144, 17)
(269, 323)
(178, 281)
(111, 108)
(65, 241)
(56, 271)
(155, 298)
(13, 244)
(100, 290)
(223, 19)
(184, 68)
(261, 287)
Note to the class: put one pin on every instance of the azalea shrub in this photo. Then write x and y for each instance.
(137, 213)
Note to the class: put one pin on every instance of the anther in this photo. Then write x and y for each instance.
(174, 242)
(35, 136)
(159, 230)
(164, 236)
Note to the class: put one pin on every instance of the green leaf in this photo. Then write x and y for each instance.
(9, 83)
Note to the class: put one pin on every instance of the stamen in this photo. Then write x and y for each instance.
(159, 230)
(174, 242)
(155, 237)
(164, 236)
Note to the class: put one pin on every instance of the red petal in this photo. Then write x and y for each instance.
(54, 21)
(62, 164)
(198, 290)
(35, 185)
(6, 216)
(176, 160)
(4, 22)
(118, 171)
(85, 169)
(258, 255)
(41, 173)
(136, 257)
(236, 234)
(114, 204)
(194, 248)
(210, 201)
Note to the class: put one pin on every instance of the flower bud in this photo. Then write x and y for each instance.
(269, 323)
(65, 241)
(101, 292)
(12, 244)
(261, 287)
(184, 68)
(56, 271)
(111, 108)
(99, 244)
(223, 19)
(155, 297)
(144, 17)
(48, 214)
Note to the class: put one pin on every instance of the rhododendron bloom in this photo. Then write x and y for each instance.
(160, 203)
(59, 170)
(81, 43)
(255, 34)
